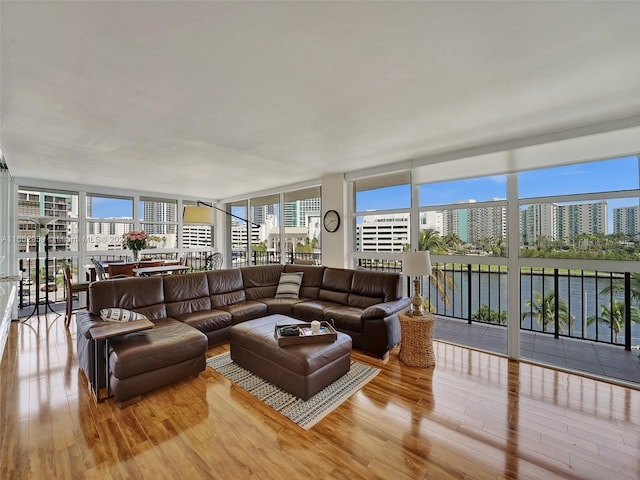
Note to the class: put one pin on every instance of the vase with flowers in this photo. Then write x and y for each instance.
(135, 240)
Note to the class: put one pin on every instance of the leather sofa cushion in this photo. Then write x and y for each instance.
(313, 309)
(345, 318)
(243, 311)
(370, 288)
(188, 306)
(261, 282)
(168, 343)
(178, 288)
(333, 297)
(142, 295)
(282, 306)
(225, 287)
(311, 278)
(206, 320)
(336, 280)
(336, 285)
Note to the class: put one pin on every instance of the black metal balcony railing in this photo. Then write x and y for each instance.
(239, 258)
(588, 305)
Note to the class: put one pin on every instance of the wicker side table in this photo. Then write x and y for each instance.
(416, 348)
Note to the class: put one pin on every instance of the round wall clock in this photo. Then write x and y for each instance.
(331, 221)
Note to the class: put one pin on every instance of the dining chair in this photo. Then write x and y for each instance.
(121, 270)
(101, 274)
(213, 262)
(151, 263)
(71, 289)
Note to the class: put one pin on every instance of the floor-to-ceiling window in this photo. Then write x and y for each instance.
(301, 222)
(280, 227)
(564, 238)
(382, 220)
(47, 238)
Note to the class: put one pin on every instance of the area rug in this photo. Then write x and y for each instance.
(304, 413)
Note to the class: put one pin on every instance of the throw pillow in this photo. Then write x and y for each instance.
(119, 315)
(289, 285)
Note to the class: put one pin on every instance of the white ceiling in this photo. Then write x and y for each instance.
(216, 99)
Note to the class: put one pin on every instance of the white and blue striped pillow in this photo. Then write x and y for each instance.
(119, 315)
(289, 286)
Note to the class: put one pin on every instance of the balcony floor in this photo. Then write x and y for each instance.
(603, 361)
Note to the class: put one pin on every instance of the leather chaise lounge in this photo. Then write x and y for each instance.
(193, 311)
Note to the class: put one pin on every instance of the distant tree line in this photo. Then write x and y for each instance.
(614, 246)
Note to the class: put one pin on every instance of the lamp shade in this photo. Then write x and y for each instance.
(416, 264)
(197, 214)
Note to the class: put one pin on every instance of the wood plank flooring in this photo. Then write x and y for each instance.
(475, 416)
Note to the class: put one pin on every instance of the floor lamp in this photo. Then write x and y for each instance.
(42, 231)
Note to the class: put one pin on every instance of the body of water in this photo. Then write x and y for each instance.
(581, 294)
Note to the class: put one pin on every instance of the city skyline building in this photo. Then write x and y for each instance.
(626, 220)
(383, 233)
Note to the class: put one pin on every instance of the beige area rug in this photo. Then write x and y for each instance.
(304, 413)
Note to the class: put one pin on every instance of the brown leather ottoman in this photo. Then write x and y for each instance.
(302, 370)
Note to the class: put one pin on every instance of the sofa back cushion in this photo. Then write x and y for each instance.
(186, 293)
(225, 287)
(369, 288)
(261, 281)
(311, 279)
(144, 295)
(336, 285)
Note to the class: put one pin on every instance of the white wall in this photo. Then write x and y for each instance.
(336, 246)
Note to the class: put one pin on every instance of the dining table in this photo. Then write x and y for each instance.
(161, 269)
(90, 269)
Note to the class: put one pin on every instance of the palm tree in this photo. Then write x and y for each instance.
(452, 241)
(617, 287)
(544, 310)
(430, 240)
(613, 316)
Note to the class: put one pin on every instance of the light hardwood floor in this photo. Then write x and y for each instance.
(475, 416)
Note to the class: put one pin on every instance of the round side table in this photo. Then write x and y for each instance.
(416, 347)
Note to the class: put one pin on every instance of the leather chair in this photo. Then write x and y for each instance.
(70, 289)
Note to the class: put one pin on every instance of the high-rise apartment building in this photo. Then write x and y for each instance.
(297, 212)
(537, 221)
(574, 219)
(159, 217)
(58, 206)
(562, 222)
(626, 220)
(475, 223)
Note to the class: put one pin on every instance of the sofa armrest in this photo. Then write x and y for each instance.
(85, 321)
(382, 310)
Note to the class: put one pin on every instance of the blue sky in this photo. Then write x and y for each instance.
(111, 207)
(609, 175)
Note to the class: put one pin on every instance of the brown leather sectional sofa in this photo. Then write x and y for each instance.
(194, 310)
